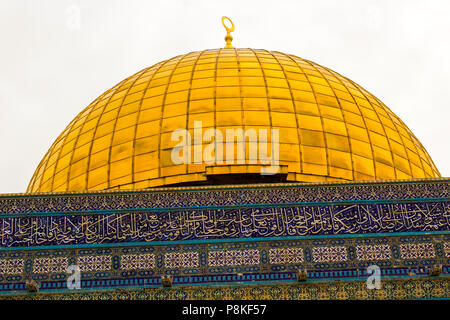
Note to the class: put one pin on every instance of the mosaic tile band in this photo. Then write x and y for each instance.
(343, 290)
(228, 262)
(224, 196)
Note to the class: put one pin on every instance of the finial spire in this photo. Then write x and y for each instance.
(228, 37)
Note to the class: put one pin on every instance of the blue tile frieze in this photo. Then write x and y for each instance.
(224, 196)
(226, 234)
(225, 223)
(205, 263)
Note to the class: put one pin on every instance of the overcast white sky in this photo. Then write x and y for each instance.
(52, 64)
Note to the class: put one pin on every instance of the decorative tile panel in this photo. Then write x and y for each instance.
(274, 260)
(417, 288)
(264, 222)
(447, 249)
(94, 263)
(206, 213)
(225, 196)
(181, 260)
(373, 252)
(50, 265)
(233, 258)
(11, 266)
(137, 261)
(286, 255)
(417, 250)
(327, 254)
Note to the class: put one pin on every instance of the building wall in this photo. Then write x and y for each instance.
(231, 238)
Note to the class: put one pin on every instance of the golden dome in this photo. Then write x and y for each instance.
(329, 127)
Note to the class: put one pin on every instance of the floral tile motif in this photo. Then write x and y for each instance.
(181, 260)
(329, 254)
(335, 290)
(233, 258)
(373, 252)
(286, 255)
(94, 263)
(417, 250)
(50, 265)
(11, 266)
(137, 261)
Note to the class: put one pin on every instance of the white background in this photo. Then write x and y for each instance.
(56, 56)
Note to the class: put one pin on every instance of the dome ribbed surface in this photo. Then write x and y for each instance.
(330, 129)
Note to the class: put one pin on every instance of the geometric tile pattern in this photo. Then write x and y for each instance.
(400, 251)
(181, 260)
(11, 266)
(447, 249)
(94, 263)
(417, 251)
(328, 254)
(194, 264)
(50, 265)
(286, 255)
(308, 253)
(233, 258)
(137, 261)
(373, 252)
